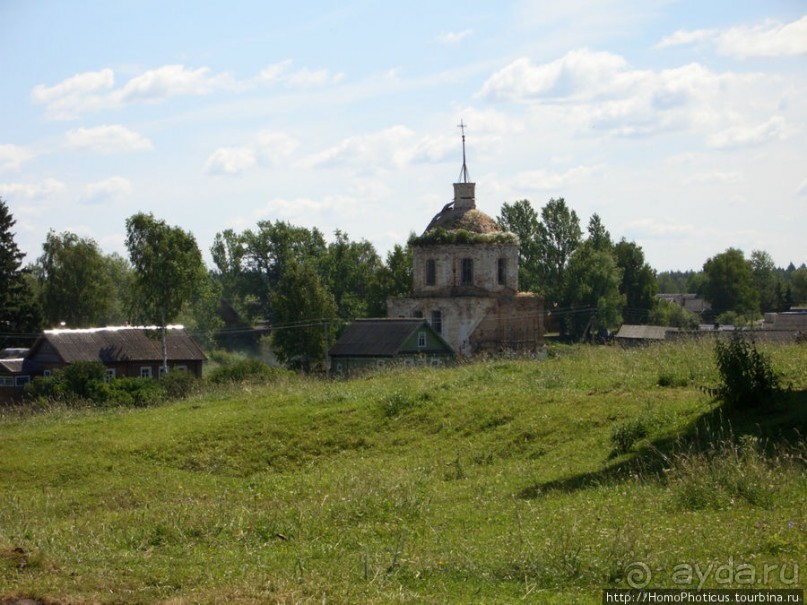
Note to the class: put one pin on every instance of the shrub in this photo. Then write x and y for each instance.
(626, 434)
(244, 370)
(138, 392)
(747, 376)
(178, 384)
(82, 377)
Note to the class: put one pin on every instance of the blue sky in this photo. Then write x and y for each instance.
(682, 124)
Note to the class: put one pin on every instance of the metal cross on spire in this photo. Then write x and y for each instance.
(464, 178)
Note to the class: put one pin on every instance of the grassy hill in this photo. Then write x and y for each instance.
(492, 482)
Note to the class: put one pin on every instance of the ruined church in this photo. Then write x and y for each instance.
(465, 280)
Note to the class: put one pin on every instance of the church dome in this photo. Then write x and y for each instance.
(467, 219)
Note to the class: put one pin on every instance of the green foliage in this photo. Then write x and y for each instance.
(520, 218)
(626, 434)
(668, 313)
(78, 285)
(639, 283)
(729, 283)
(178, 384)
(592, 284)
(727, 474)
(440, 236)
(393, 279)
(559, 235)
(20, 314)
(306, 314)
(167, 264)
(747, 376)
(82, 383)
(347, 270)
(244, 370)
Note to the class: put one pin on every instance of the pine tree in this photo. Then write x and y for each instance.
(19, 311)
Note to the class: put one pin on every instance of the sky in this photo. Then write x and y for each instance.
(682, 124)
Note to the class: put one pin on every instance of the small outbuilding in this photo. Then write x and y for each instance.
(629, 335)
(376, 343)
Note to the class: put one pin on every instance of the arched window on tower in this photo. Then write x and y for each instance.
(431, 272)
(467, 274)
(502, 271)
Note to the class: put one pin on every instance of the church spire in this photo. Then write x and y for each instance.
(464, 178)
(464, 190)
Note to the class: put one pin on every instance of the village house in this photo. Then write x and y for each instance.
(368, 344)
(125, 351)
(465, 281)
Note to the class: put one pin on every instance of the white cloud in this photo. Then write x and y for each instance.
(389, 148)
(168, 81)
(580, 73)
(768, 39)
(308, 78)
(267, 149)
(682, 37)
(32, 190)
(230, 160)
(12, 157)
(273, 72)
(660, 228)
(454, 37)
(748, 136)
(544, 180)
(75, 95)
(716, 176)
(110, 190)
(802, 188)
(93, 91)
(107, 139)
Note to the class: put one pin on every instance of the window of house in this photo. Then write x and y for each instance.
(421, 339)
(6, 381)
(110, 374)
(46, 373)
(437, 321)
(502, 271)
(380, 363)
(431, 272)
(145, 371)
(467, 271)
(22, 380)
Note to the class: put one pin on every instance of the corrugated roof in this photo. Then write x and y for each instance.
(375, 337)
(121, 344)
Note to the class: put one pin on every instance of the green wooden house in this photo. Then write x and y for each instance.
(368, 344)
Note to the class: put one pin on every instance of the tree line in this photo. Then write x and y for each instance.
(304, 288)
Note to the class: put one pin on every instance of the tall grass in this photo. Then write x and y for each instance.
(490, 482)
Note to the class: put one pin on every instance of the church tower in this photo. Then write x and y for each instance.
(465, 279)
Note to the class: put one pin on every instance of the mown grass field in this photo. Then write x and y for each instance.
(491, 482)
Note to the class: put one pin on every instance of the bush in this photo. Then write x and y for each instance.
(626, 434)
(178, 384)
(244, 370)
(747, 376)
(138, 392)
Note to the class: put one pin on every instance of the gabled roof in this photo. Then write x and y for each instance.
(380, 337)
(122, 344)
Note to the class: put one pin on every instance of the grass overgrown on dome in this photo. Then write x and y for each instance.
(440, 236)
